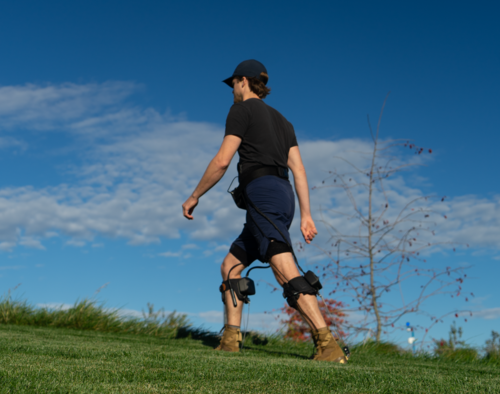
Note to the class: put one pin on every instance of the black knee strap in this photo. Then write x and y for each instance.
(242, 288)
(294, 288)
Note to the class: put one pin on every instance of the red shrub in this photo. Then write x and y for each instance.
(298, 330)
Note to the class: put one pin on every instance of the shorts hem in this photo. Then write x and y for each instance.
(275, 248)
(240, 254)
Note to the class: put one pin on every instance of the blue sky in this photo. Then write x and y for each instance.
(110, 112)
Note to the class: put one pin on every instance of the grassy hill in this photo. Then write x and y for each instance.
(59, 360)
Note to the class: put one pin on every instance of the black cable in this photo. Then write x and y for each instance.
(305, 317)
(258, 267)
(234, 266)
(231, 287)
(283, 277)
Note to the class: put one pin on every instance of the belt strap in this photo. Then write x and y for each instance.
(245, 179)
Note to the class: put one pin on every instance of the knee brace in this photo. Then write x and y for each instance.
(241, 288)
(307, 284)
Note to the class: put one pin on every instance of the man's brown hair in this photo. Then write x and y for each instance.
(257, 86)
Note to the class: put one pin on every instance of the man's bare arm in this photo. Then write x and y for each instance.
(302, 189)
(214, 172)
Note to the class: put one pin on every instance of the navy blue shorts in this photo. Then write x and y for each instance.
(275, 198)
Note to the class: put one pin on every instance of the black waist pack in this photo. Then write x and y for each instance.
(237, 194)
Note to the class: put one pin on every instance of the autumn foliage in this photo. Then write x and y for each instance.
(298, 330)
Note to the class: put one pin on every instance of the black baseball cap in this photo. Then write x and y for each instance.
(248, 68)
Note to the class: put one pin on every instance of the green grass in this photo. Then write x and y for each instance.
(89, 348)
(90, 315)
(59, 360)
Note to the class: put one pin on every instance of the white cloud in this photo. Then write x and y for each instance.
(170, 254)
(222, 248)
(11, 267)
(54, 305)
(44, 107)
(7, 246)
(31, 243)
(121, 312)
(135, 182)
(211, 316)
(131, 313)
(470, 219)
(190, 246)
(488, 314)
(265, 322)
(76, 242)
(8, 142)
(140, 165)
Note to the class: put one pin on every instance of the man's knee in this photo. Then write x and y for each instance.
(227, 265)
(224, 268)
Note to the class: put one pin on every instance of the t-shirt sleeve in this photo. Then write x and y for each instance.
(294, 138)
(238, 121)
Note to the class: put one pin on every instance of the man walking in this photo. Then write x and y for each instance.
(267, 148)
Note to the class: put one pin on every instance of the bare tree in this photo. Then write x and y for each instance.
(386, 243)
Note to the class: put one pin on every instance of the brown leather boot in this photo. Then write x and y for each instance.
(327, 348)
(230, 340)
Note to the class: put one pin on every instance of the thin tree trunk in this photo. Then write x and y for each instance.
(370, 245)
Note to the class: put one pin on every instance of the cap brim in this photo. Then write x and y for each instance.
(229, 81)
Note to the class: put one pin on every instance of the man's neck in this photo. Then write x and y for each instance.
(249, 95)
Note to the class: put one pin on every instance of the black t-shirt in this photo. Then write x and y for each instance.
(266, 135)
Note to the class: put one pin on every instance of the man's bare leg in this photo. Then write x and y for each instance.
(233, 313)
(284, 268)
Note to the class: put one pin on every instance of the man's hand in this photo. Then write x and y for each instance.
(308, 229)
(214, 172)
(189, 206)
